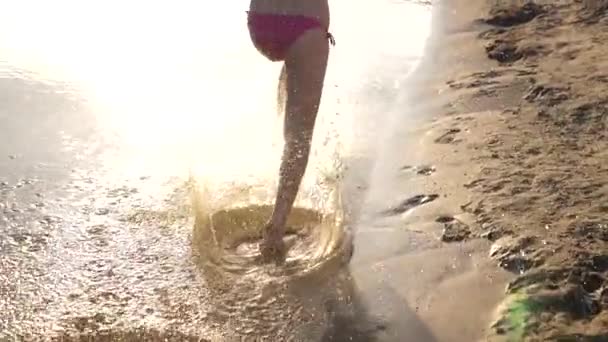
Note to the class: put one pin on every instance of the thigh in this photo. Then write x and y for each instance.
(306, 64)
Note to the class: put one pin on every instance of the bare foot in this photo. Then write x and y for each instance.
(272, 247)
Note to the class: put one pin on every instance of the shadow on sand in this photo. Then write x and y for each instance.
(374, 312)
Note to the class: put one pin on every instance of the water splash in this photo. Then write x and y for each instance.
(229, 219)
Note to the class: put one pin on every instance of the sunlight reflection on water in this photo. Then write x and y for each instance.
(176, 84)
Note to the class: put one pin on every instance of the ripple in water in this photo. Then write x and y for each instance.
(252, 297)
(226, 237)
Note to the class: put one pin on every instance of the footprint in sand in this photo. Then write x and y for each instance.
(423, 170)
(411, 203)
(503, 51)
(445, 219)
(513, 15)
(453, 229)
(448, 137)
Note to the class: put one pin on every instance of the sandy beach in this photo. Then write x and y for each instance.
(520, 97)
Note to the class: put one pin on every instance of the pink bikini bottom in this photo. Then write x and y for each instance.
(273, 34)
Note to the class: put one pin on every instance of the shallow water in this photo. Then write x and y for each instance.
(111, 115)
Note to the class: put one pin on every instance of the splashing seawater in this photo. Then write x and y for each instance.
(227, 231)
(229, 222)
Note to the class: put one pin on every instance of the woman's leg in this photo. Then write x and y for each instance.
(305, 68)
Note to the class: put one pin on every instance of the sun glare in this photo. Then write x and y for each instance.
(178, 83)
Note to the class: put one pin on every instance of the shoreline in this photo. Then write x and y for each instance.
(518, 121)
(423, 247)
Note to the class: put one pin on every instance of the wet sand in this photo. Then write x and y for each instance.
(522, 102)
